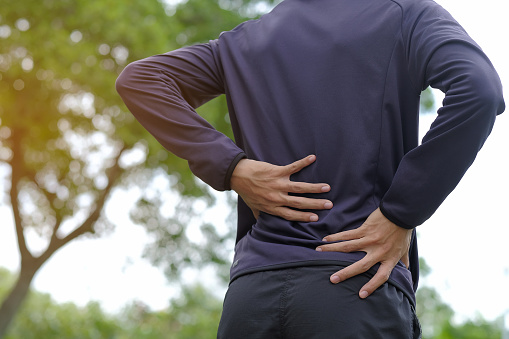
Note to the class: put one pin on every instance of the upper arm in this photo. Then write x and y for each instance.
(193, 72)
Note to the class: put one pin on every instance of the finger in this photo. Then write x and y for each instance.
(345, 246)
(381, 277)
(293, 215)
(308, 203)
(345, 235)
(304, 187)
(354, 269)
(296, 166)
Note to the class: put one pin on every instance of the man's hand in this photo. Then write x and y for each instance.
(384, 243)
(264, 187)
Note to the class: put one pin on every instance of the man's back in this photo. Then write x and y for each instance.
(342, 80)
(321, 77)
(311, 77)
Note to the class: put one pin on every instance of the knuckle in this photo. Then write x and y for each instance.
(386, 247)
(383, 276)
(272, 197)
(364, 266)
(381, 279)
(292, 167)
(267, 208)
(316, 204)
(348, 246)
(297, 203)
(329, 248)
(343, 275)
(287, 214)
(296, 188)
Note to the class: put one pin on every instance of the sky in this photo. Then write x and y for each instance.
(465, 242)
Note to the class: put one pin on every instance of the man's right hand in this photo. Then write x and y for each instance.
(264, 188)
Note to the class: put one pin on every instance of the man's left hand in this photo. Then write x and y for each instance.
(383, 241)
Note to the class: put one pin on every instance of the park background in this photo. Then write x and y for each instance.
(137, 277)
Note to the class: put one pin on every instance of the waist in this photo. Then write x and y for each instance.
(253, 254)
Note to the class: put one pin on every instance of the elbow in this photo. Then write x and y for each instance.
(136, 77)
(489, 92)
(487, 101)
(492, 103)
(127, 79)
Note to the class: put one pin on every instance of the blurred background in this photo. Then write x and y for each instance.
(104, 234)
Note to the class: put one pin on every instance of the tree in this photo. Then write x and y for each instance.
(66, 140)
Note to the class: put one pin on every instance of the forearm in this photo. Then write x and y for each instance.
(162, 93)
(427, 174)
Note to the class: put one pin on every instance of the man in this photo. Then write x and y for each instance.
(323, 97)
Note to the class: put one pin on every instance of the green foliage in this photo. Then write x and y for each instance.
(472, 329)
(6, 279)
(64, 131)
(195, 314)
(58, 64)
(40, 317)
(432, 312)
(175, 247)
(59, 110)
(427, 102)
(436, 317)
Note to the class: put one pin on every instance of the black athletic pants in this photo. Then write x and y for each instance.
(301, 303)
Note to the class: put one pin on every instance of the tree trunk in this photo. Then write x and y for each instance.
(16, 296)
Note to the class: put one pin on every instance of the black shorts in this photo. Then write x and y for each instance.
(295, 303)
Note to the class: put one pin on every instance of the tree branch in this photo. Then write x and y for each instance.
(58, 216)
(17, 170)
(87, 226)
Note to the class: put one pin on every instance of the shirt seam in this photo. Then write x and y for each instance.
(376, 174)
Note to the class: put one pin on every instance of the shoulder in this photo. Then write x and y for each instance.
(414, 10)
(429, 20)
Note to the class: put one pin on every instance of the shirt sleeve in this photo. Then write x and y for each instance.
(163, 91)
(441, 55)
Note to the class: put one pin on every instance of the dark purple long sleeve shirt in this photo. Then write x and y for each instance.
(340, 79)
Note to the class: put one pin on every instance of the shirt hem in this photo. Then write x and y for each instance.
(371, 272)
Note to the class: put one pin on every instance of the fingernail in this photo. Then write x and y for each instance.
(319, 249)
(311, 158)
(363, 294)
(327, 205)
(325, 239)
(334, 279)
(325, 188)
(313, 218)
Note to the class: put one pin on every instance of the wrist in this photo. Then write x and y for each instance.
(393, 219)
(231, 170)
